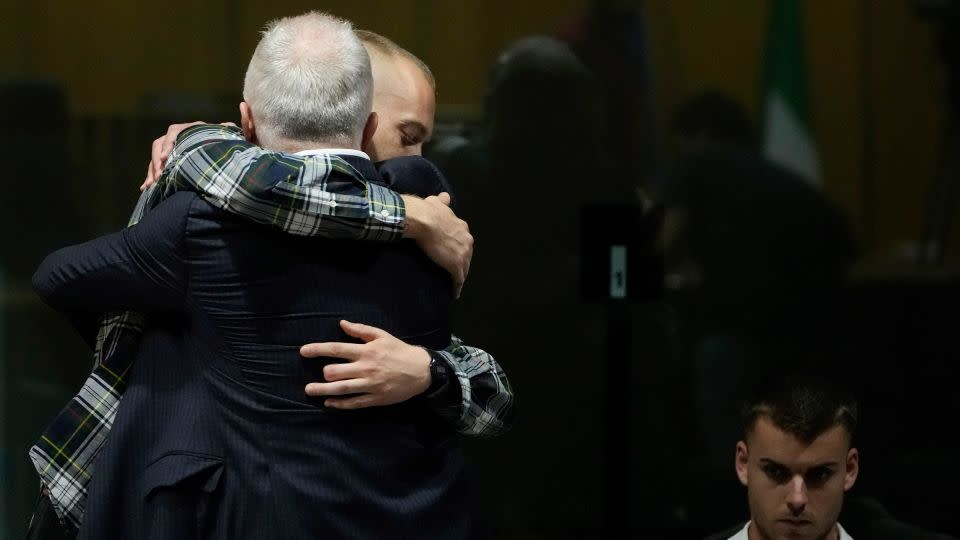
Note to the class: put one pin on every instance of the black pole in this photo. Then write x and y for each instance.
(617, 418)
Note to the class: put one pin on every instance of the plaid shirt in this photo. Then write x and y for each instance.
(317, 195)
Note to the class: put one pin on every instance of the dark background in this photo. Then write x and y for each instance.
(610, 439)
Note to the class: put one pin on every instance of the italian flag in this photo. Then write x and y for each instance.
(788, 140)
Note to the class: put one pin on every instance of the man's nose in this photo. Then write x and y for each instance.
(797, 497)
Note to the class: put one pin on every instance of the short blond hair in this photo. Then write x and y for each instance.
(388, 47)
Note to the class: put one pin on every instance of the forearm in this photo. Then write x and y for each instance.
(478, 400)
(303, 195)
(444, 237)
(320, 195)
(420, 220)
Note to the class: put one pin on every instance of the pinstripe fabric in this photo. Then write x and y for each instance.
(265, 187)
(317, 195)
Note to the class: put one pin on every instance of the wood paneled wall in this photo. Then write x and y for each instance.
(110, 54)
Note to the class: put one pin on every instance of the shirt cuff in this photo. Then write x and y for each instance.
(387, 213)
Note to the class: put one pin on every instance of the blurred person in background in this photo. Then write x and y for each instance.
(757, 256)
(537, 158)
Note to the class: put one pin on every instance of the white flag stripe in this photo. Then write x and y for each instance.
(788, 142)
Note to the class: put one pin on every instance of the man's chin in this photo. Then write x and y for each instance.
(795, 529)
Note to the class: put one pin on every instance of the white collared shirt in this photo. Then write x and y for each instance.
(742, 535)
(335, 151)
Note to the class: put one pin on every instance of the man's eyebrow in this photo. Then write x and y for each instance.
(824, 465)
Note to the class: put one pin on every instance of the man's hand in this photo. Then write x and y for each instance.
(384, 370)
(162, 146)
(444, 237)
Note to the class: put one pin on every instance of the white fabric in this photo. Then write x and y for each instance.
(334, 151)
(742, 535)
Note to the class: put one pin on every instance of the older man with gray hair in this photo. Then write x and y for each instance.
(309, 84)
(241, 451)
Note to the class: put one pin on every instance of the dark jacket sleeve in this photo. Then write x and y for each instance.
(140, 268)
(415, 175)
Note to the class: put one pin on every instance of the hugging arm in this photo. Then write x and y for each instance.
(309, 196)
(471, 394)
(139, 268)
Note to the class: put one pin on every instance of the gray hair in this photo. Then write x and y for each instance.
(309, 80)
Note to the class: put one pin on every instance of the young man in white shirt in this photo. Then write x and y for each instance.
(797, 459)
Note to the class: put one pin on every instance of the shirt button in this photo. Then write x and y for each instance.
(384, 213)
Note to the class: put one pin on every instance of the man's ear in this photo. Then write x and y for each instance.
(368, 130)
(740, 462)
(853, 469)
(247, 124)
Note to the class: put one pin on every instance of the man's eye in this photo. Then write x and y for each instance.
(818, 477)
(777, 474)
(408, 141)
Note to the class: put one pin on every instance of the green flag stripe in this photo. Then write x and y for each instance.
(785, 59)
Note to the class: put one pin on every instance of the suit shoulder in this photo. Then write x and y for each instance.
(180, 201)
(413, 174)
(172, 215)
(193, 204)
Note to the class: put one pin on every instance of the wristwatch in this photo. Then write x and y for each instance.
(439, 373)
